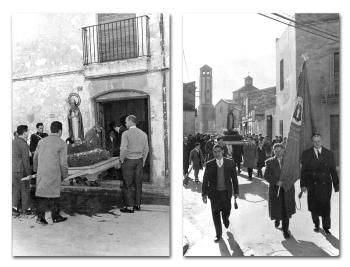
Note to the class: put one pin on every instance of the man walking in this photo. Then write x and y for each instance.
(133, 154)
(209, 148)
(20, 168)
(318, 173)
(197, 160)
(281, 203)
(50, 163)
(250, 156)
(218, 180)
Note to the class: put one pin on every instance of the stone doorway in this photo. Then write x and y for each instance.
(109, 109)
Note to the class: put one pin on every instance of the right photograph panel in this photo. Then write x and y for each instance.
(261, 94)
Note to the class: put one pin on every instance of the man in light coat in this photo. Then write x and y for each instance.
(50, 164)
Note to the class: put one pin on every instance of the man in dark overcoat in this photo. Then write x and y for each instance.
(318, 173)
(237, 151)
(281, 202)
(20, 169)
(218, 181)
(196, 159)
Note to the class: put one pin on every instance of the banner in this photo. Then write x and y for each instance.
(300, 132)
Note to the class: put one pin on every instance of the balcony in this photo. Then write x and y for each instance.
(115, 41)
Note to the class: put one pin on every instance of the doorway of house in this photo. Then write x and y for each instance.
(109, 110)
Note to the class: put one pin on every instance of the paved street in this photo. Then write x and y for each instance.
(251, 232)
(106, 232)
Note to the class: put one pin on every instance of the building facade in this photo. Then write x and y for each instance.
(206, 113)
(323, 75)
(257, 108)
(227, 114)
(117, 63)
(189, 108)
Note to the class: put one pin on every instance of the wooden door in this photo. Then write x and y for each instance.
(113, 110)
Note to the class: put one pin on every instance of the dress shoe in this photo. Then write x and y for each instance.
(277, 223)
(15, 212)
(127, 210)
(29, 212)
(41, 221)
(217, 239)
(196, 181)
(60, 219)
(286, 234)
(138, 207)
(327, 232)
(317, 229)
(226, 223)
(48, 217)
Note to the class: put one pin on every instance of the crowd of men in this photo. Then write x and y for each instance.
(46, 157)
(223, 162)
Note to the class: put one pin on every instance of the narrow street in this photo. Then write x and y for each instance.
(251, 232)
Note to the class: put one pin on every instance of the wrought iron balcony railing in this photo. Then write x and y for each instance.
(123, 39)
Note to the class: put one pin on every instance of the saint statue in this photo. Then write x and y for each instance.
(230, 120)
(75, 120)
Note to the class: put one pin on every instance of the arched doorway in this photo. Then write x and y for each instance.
(112, 105)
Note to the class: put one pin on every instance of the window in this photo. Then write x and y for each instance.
(336, 72)
(281, 75)
(281, 128)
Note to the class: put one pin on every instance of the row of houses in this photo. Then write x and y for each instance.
(269, 110)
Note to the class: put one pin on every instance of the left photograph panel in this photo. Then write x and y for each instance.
(90, 123)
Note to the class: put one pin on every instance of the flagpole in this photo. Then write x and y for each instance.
(278, 192)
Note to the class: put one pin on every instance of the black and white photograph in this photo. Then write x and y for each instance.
(90, 134)
(261, 134)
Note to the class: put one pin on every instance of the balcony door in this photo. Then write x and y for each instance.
(117, 36)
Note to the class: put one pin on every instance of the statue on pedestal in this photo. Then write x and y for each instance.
(75, 119)
(230, 121)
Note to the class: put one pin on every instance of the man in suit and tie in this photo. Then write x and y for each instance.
(281, 203)
(196, 159)
(218, 181)
(20, 168)
(36, 137)
(318, 173)
(133, 154)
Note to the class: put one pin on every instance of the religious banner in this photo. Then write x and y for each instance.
(301, 129)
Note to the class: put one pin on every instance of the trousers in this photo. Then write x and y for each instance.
(20, 192)
(220, 205)
(132, 177)
(326, 221)
(45, 204)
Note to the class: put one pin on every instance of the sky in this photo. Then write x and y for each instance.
(233, 45)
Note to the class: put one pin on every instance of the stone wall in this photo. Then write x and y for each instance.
(291, 46)
(48, 65)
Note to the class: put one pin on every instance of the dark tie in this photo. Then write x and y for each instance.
(318, 154)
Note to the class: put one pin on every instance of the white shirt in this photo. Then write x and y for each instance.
(280, 162)
(319, 151)
(219, 162)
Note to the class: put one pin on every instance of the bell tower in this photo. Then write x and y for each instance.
(206, 109)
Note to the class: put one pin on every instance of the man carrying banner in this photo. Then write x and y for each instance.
(281, 202)
(318, 172)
